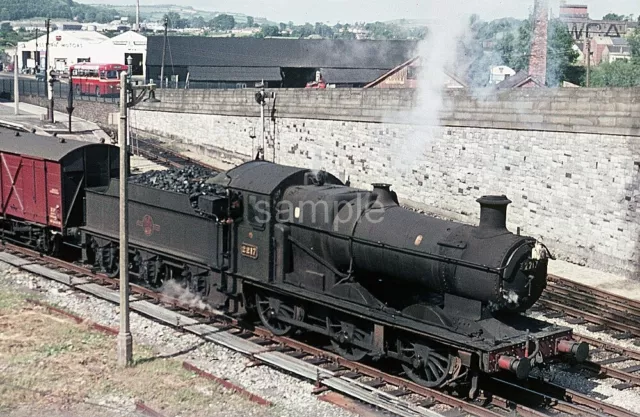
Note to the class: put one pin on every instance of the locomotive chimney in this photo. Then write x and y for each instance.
(493, 212)
(384, 196)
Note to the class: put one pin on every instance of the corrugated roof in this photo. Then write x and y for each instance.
(296, 53)
(37, 146)
(351, 75)
(234, 74)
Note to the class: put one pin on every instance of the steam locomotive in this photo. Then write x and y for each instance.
(304, 252)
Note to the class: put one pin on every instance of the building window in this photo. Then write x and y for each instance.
(412, 73)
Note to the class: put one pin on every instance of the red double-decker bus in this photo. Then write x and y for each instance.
(96, 79)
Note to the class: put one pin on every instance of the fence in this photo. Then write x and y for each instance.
(60, 91)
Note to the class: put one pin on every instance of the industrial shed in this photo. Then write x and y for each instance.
(287, 63)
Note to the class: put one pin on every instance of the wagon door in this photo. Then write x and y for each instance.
(54, 194)
(12, 192)
(34, 186)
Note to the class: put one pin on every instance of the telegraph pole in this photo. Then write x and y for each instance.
(262, 118)
(16, 89)
(164, 50)
(46, 56)
(125, 340)
(137, 15)
(37, 57)
(588, 62)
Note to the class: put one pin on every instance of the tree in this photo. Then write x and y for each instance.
(198, 22)
(506, 48)
(619, 73)
(175, 21)
(269, 30)
(250, 21)
(634, 42)
(560, 53)
(614, 16)
(283, 26)
(5, 27)
(223, 22)
(323, 30)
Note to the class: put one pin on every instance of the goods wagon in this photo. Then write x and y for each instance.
(42, 182)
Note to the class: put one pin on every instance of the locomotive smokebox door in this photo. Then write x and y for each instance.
(253, 238)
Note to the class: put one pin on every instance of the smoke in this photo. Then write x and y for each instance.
(438, 53)
(174, 289)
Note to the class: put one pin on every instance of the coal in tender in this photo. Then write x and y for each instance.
(191, 180)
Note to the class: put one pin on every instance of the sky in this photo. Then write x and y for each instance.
(348, 11)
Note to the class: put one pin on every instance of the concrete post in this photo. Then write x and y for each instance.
(16, 92)
(125, 340)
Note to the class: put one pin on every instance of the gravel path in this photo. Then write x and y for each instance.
(291, 397)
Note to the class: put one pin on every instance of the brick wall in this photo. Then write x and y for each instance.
(569, 159)
(538, 58)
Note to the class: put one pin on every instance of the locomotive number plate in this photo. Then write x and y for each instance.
(250, 251)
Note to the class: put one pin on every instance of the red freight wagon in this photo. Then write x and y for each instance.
(42, 183)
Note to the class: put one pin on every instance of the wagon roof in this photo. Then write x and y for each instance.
(43, 147)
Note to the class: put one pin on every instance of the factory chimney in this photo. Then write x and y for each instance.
(538, 58)
(137, 15)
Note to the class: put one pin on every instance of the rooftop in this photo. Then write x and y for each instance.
(293, 53)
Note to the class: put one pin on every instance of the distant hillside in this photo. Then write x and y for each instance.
(156, 12)
(55, 9)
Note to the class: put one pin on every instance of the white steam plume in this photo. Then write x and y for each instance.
(174, 289)
(437, 54)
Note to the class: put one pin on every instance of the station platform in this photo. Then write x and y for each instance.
(30, 117)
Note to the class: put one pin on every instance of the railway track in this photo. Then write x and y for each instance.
(162, 155)
(615, 317)
(365, 383)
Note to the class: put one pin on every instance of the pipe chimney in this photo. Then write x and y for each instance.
(493, 213)
(384, 196)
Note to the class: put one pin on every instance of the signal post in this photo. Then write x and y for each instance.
(127, 99)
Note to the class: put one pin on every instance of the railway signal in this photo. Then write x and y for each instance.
(70, 107)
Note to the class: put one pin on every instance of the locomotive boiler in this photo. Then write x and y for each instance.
(374, 238)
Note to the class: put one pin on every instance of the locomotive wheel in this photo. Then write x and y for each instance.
(429, 367)
(344, 332)
(269, 309)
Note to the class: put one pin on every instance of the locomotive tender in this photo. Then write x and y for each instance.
(307, 252)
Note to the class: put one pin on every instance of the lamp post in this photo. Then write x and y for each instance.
(16, 89)
(125, 339)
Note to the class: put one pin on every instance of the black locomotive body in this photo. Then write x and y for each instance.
(308, 253)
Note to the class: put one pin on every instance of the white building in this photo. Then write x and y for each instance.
(500, 73)
(70, 47)
(66, 47)
(116, 50)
